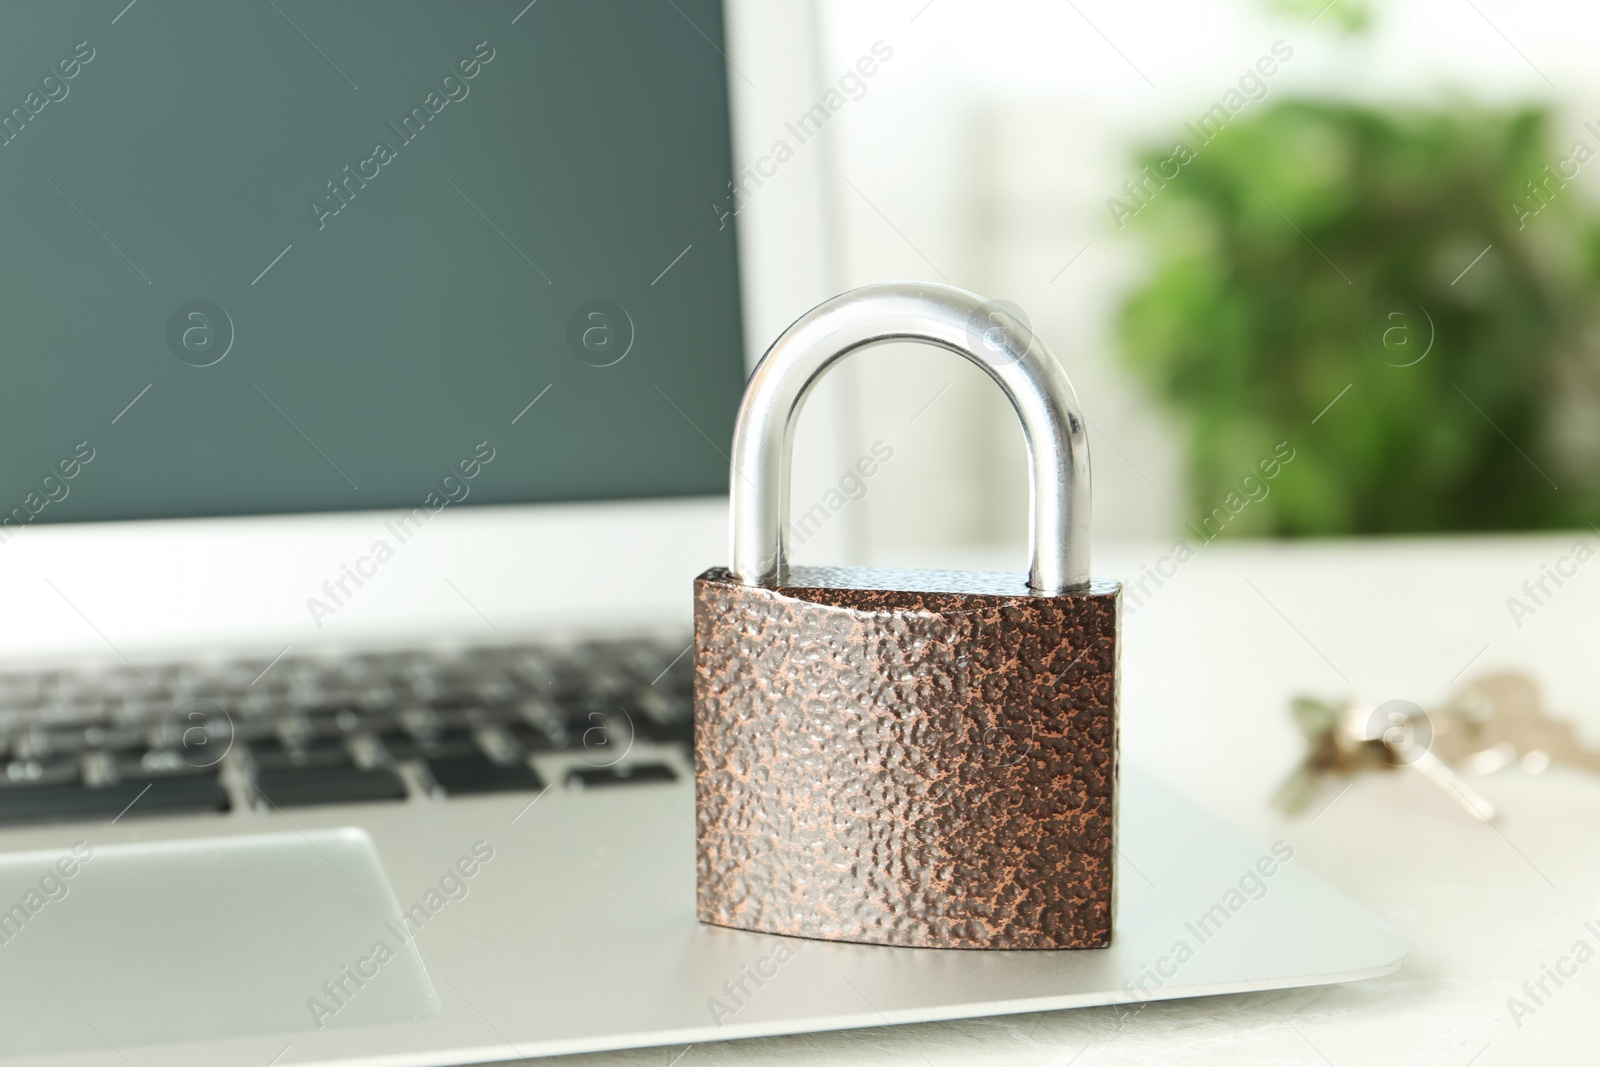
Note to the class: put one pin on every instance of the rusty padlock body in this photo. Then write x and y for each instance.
(922, 759)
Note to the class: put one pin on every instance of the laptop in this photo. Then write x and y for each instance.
(369, 371)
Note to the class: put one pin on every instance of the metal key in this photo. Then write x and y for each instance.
(1407, 733)
(1500, 719)
(1331, 751)
(1343, 740)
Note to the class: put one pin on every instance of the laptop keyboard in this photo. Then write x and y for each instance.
(371, 728)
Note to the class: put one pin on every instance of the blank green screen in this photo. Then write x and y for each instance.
(396, 223)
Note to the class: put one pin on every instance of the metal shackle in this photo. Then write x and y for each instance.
(950, 318)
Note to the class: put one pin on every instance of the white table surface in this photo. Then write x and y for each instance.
(1209, 665)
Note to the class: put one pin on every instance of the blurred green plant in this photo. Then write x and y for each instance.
(1348, 17)
(1399, 267)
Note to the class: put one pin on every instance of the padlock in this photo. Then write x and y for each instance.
(921, 759)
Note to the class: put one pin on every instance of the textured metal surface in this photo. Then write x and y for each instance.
(993, 338)
(918, 759)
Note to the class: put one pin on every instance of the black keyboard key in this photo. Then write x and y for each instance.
(405, 745)
(661, 717)
(335, 720)
(323, 752)
(533, 738)
(457, 701)
(679, 732)
(463, 719)
(622, 774)
(130, 797)
(273, 753)
(77, 739)
(400, 744)
(166, 762)
(581, 709)
(299, 786)
(588, 722)
(450, 741)
(466, 775)
(269, 749)
(642, 661)
(172, 796)
(250, 728)
(677, 679)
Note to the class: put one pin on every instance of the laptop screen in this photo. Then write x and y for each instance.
(296, 256)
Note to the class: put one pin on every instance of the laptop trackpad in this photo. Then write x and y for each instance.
(152, 943)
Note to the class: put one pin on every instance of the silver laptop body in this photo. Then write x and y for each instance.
(270, 798)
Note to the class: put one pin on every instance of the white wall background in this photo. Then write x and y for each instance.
(983, 152)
